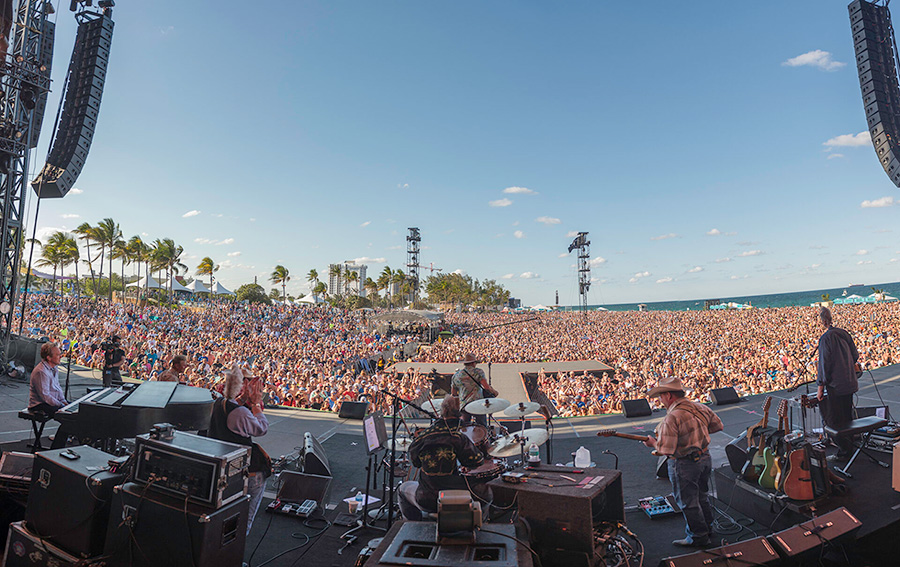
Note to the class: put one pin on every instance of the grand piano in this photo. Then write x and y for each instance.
(130, 410)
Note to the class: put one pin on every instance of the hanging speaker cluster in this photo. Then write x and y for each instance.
(87, 74)
(873, 42)
(45, 61)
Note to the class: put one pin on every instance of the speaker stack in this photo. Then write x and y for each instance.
(873, 43)
(87, 75)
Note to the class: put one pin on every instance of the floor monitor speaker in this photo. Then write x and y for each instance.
(636, 408)
(314, 459)
(722, 396)
(353, 410)
(756, 551)
(808, 537)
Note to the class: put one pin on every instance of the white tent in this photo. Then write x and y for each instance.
(219, 289)
(197, 286)
(310, 299)
(540, 307)
(176, 286)
(147, 282)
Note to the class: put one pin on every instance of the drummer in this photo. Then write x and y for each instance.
(469, 384)
(436, 452)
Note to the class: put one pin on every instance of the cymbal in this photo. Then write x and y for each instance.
(521, 409)
(433, 406)
(486, 406)
(402, 443)
(510, 445)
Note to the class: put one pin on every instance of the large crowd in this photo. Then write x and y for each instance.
(317, 357)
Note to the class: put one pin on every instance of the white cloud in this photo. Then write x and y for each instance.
(850, 140)
(892, 260)
(863, 262)
(638, 276)
(252, 219)
(666, 279)
(563, 255)
(519, 234)
(695, 269)
(720, 260)
(233, 254)
(878, 203)
(519, 191)
(714, 232)
(367, 260)
(226, 241)
(664, 236)
(500, 203)
(190, 214)
(203, 241)
(515, 223)
(862, 252)
(597, 261)
(815, 266)
(459, 271)
(816, 58)
(218, 215)
(528, 275)
(167, 30)
(834, 156)
(749, 253)
(365, 224)
(76, 191)
(70, 216)
(548, 220)
(403, 186)
(572, 234)
(507, 276)
(740, 277)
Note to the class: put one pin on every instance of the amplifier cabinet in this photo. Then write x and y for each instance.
(68, 503)
(207, 471)
(807, 536)
(148, 529)
(25, 549)
(756, 551)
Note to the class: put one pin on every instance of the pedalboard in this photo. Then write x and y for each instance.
(294, 509)
(656, 506)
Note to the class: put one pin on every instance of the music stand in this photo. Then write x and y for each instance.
(376, 438)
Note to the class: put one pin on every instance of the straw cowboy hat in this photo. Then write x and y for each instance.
(668, 384)
(470, 359)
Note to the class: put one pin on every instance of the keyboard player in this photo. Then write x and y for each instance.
(46, 394)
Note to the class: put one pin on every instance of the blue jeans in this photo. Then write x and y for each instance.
(256, 484)
(690, 484)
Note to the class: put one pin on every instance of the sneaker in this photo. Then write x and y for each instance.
(691, 543)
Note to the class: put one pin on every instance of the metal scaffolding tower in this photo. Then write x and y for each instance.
(25, 79)
(583, 245)
(412, 263)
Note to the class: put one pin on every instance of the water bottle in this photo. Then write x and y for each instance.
(582, 458)
(359, 500)
(534, 455)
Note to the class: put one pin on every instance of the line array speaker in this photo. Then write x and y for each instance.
(87, 75)
(45, 61)
(873, 42)
(636, 408)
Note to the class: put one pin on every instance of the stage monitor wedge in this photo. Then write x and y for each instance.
(722, 396)
(636, 408)
(78, 120)
(873, 44)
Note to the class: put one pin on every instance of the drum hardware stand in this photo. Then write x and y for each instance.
(364, 522)
(395, 411)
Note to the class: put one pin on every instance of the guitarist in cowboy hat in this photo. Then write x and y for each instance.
(469, 384)
(683, 435)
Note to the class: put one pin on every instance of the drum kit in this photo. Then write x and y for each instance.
(494, 441)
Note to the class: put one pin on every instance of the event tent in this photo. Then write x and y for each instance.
(176, 286)
(310, 300)
(146, 282)
(219, 289)
(197, 286)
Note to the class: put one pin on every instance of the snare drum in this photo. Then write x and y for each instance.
(478, 434)
(487, 471)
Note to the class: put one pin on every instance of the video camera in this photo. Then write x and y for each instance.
(111, 344)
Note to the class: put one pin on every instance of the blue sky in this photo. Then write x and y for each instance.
(710, 149)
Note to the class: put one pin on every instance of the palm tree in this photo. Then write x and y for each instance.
(352, 276)
(138, 252)
(123, 253)
(281, 276)
(107, 234)
(87, 233)
(320, 289)
(384, 280)
(313, 278)
(399, 278)
(167, 255)
(207, 268)
(71, 255)
(372, 288)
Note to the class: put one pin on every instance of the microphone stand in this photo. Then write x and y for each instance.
(68, 370)
(395, 411)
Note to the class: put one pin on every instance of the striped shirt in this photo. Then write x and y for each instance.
(686, 429)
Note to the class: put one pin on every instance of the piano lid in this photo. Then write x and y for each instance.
(151, 395)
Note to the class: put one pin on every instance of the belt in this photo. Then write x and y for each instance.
(695, 456)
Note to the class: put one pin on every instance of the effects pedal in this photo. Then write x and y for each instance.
(656, 506)
(294, 509)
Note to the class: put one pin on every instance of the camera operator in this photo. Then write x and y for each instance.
(113, 359)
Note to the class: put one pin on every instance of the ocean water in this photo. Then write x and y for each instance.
(768, 300)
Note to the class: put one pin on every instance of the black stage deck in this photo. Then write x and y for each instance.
(282, 541)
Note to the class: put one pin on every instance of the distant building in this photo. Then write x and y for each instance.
(337, 283)
(514, 303)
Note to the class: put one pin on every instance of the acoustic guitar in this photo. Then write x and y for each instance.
(772, 468)
(798, 481)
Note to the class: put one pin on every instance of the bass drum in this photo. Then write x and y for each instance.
(479, 435)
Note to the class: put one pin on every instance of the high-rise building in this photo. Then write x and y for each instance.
(339, 284)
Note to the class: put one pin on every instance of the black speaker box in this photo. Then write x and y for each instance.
(25, 351)
(25, 549)
(353, 410)
(148, 529)
(636, 408)
(722, 396)
(297, 487)
(808, 537)
(68, 503)
(756, 551)
(736, 450)
(314, 459)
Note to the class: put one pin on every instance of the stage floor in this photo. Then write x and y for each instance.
(870, 497)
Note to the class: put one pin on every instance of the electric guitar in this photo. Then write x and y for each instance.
(754, 466)
(762, 423)
(661, 464)
(771, 454)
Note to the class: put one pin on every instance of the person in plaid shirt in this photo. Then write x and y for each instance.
(683, 436)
